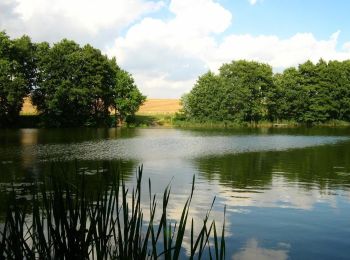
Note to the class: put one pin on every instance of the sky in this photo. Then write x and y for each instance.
(167, 44)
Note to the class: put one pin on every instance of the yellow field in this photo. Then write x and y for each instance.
(27, 108)
(150, 107)
(160, 106)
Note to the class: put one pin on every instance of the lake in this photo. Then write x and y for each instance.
(287, 191)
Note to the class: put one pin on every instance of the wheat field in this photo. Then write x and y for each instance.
(160, 106)
(150, 107)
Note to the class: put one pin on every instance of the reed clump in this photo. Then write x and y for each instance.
(64, 221)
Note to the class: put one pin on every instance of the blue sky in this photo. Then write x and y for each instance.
(167, 44)
(288, 17)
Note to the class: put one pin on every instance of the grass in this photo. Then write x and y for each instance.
(183, 123)
(163, 120)
(67, 222)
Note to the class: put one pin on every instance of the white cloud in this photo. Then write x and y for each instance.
(253, 251)
(346, 46)
(53, 20)
(254, 2)
(167, 56)
(281, 194)
(280, 53)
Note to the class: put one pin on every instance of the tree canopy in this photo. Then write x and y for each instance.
(247, 91)
(17, 76)
(70, 85)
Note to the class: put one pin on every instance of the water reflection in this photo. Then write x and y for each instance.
(158, 144)
(252, 251)
(289, 185)
(315, 167)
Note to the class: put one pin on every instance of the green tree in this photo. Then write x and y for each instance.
(75, 85)
(316, 92)
(238, 93)
(127, 97)
(290, 99)
(204, 102)
(342, 93)
(17, 76)
(249, 81)
(58, 99)
(338, 79)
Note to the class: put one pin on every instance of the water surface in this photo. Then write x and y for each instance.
(287, 191)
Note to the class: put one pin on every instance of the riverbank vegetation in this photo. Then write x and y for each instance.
(70, 85)
(247, 92)
(65, 221)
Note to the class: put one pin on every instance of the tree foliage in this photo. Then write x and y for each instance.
(76, 85)
(246, 91)
(204, 101)
(246, 84)
(127, 98)
(17, 76)
(69, 84)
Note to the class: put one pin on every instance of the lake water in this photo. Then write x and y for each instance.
(287, 191)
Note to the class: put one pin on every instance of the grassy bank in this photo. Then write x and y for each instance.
(262, 124)
(156, 120)
(163, 113)
(64, 221)
(172, 120)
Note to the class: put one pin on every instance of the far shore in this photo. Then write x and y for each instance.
(161, 113)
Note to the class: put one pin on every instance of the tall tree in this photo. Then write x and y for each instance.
(290, 100)
(204, 102)
(338, 78)
(127, 97)
(59, 100)
(17, 76)
(238, 93)
(76, 85)
(249, 81)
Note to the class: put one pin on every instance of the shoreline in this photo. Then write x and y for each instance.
(169, 120)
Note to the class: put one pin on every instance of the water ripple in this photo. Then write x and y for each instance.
(141, 148)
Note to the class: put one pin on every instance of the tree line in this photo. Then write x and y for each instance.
(248, 91)
(69, 84)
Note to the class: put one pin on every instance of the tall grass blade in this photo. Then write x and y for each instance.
(64, 221)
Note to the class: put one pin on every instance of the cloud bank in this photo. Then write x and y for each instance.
(165, 45)
(81, 20)
(167, 57)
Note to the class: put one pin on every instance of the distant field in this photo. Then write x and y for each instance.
(150, 107)
(160, 106)
(27, 108)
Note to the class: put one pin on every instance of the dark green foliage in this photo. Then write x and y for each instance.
(246, 86)
(205, 101)
(17, 76)
(236, 94)
(288, 100)
(67, 223)
(314, 92)
(70, 85)
(249, 92)
(127, 98)
(77, 85)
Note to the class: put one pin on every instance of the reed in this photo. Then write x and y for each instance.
(64, 221)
